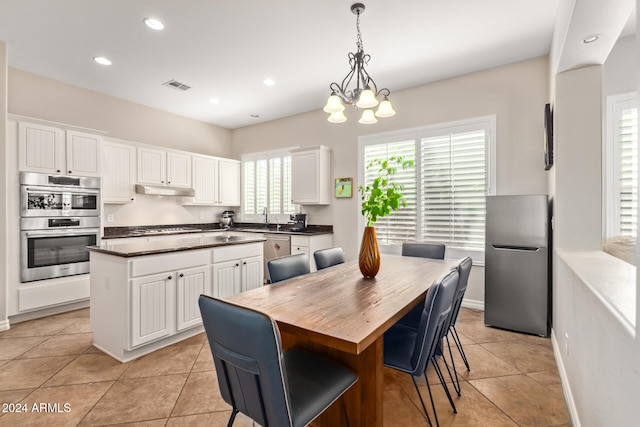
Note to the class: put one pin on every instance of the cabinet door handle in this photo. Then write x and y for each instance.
(181, 275)
(237, 265)
(245, 262)
(170, 277)
(70, 172)
(58, 170)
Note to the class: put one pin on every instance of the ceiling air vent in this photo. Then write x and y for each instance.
(176, 85)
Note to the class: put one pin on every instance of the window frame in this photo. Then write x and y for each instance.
(488, 123)
(615, 104)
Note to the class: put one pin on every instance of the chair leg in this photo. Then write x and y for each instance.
(436, 366)
(433, 405)
(422, 401)
(234, 412)
(456, 380)
(456, 339)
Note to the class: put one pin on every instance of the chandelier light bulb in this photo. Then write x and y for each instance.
(337, 117)
(385, 109)
(334, 105)
(367, 99)
(368, 118)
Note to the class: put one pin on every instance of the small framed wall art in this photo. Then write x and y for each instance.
(344, 187)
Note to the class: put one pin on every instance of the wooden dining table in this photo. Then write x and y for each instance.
(338, 313)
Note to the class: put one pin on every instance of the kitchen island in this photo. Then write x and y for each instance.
(144, 296)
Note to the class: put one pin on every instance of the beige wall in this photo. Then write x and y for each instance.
(516, 93)
(578, 176)
(3, 185)
(42, 98)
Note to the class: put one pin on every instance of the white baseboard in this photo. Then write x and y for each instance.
(566, 387)
(473, 304)
(4, 325)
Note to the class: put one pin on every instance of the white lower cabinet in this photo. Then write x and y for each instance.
(191, 283)
(150, 308)
(309, 244)
(237, 269)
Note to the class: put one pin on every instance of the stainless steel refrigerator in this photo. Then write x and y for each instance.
(517, 263)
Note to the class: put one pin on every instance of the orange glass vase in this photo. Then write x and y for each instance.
(369, 259)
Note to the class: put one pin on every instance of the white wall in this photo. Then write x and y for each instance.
(516, 93)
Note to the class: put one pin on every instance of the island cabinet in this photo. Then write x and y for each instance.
(237, 269)
(140, 304)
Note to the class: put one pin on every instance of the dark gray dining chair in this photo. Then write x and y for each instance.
(286, 267)
(328, 257)
(256, 377)
(423, 250)
(464, 270)
(420, 250)
(410, 348)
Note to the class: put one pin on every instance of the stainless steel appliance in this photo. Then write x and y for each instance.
(56, 247)
(517, 264)
(60, 216)
(55, 195)
(226, 219)
(276, 246)
(299, 222)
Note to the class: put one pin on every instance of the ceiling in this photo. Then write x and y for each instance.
(225, 49)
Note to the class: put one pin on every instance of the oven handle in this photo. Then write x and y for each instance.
(62, 232)
(63, 190)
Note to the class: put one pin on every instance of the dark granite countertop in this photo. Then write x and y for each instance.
(185, 229)
(180, 243)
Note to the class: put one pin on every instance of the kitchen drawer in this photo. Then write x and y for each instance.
(169, 262)
(235, 252)
(299, 241)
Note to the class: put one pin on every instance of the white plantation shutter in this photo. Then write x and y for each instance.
(266, 183)
(628, 171)
(453, 180)
(400, 226)
(445, 191)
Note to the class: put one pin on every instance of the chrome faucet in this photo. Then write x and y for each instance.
(266, 218)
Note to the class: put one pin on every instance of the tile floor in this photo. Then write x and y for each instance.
(513, 381)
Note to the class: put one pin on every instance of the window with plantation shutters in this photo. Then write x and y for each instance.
(446, 190)
(400, 226)
(266, 183)
(453, 183)
(621, 167)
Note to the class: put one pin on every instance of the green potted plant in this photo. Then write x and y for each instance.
(379, 199)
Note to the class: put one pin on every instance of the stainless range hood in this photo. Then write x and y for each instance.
(163, 190)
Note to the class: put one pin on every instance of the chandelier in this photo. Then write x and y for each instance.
(365, 95)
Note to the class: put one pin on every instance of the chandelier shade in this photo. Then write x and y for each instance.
(365, 95)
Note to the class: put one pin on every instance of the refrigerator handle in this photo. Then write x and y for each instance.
(516, 248)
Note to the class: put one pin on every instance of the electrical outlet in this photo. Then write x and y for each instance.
(110, 218)
(566, 343)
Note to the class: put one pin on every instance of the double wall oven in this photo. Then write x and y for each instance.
(59, 217)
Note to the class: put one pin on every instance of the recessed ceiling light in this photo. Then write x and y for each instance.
(255, 116)
(591, 38)
(153, 23)
(214, 101)
(101, 60)
(269, 82)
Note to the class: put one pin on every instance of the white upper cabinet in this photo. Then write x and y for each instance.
(161, 167)
(49, 149)
(310, 175)
(118, 172)
(205, 180)
(229, 182)
(216, 181)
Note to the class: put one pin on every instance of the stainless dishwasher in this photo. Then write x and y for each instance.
(276, 246)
